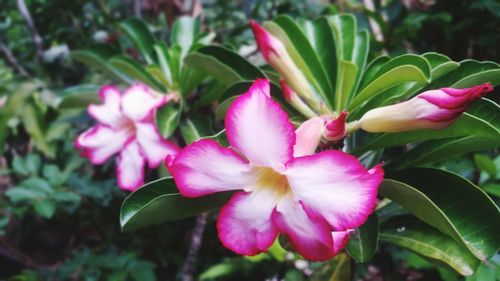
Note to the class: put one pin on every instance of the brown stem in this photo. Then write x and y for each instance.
(25, 13)
(11, 60)
(196, 238)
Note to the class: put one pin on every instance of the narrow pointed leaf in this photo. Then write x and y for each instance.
(97, 56)
(336, 269)
(136, 71)
(139, 34)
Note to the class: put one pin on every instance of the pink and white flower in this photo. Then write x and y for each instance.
(434, 109)
(127, 127)
(282, 187)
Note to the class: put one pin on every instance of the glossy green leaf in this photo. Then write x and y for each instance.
(136, 71)
(224, 65)
(167, 119)
(440, 64)
(372, 70)
(438, 150)
(344, 27)
(336, 269)
(345, 83)
(492, 76)
(364, 240)
(405, 68)
(480, 121)
(159, 201)
(79, 97)
(428, 242)
(138, 32)
(322, 39)
(97, 56)
(466, 68)
(450, 203)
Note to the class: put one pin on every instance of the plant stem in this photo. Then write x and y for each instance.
(12, 61)
(196, 238)
(25, 13)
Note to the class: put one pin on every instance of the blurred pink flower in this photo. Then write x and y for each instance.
(127, 127)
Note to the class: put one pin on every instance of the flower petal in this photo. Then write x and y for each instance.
(244, 225)
(108, 112)
(154, 147)
(139, 103)
(340, 239)
(205, 167)
(101, 142)
(310, 236)
(258, 127)
(130, 167)
(335, 186)
(309, 135)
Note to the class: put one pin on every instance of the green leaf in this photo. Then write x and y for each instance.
(450, 203)
(38, 184)
(136, 71)
(32, 163)
(167, 119)
(438, 150)
(322, 39)
(479, 121)
(195, 128)
(220, 112)
(184, 32)
(97, 56)
(159, 201)
(20, 194)
(34, 124)
(492, 188)
(486, 164)
(66, 197)
(164, 59)
(364, 241)
(428, 242)
(466, 68)
(336, 269)
(45, 208)
(138, 32)
(79, 96)
(440, 64)
(224, 65)
(402, 69)
(492, 76)
(372, 70)
(345, 84)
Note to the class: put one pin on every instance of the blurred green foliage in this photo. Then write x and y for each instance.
(59, 215)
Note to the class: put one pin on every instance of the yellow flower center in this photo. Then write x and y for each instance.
(269, 179)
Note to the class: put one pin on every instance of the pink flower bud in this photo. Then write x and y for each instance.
(433, 109)
(275, 53)
(336, 128)
(292, 98)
